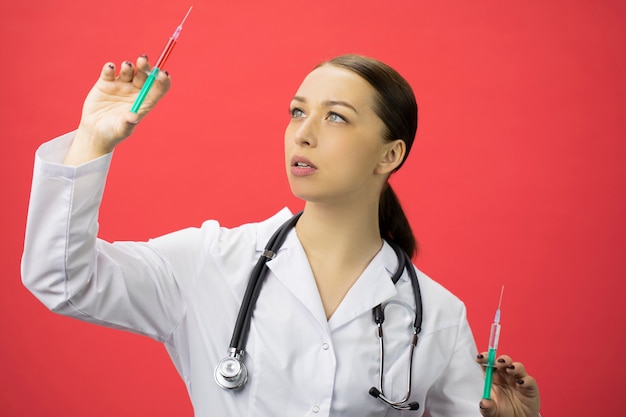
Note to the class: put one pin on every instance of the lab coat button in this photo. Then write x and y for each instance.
(315, 409)
(325, 346)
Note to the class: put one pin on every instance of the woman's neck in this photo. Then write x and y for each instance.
(339, 245)
(346, 232)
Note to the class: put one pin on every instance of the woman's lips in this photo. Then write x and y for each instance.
(301, 167)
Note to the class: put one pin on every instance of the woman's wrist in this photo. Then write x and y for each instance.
(84, 149)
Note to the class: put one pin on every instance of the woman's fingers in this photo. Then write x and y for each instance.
(503, 361)
(106, 119)
(127, 71)
(527, 386)
(516, 371)
(137, 74)
(487, 408)
(509, 372)
(164, 81)
(143, 70)
(514, 392)
(108, 72)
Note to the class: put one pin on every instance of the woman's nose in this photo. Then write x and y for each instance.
(306, 133)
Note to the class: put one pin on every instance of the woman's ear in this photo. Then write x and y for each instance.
(392, 156)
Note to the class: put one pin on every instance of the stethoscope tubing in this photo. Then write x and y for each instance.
(258, 274)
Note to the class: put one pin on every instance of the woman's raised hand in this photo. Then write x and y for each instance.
(514, 393)
(106, 118)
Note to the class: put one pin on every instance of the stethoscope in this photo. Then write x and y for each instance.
(232, 374)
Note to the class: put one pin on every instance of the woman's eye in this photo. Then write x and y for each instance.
(296, 112)
(335, 117)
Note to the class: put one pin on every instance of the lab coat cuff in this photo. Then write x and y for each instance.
(49, 160)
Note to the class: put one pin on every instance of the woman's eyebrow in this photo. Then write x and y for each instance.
(329, 103)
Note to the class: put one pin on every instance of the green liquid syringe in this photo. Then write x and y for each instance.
(494, 336)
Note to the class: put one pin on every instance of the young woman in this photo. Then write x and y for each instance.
(312, 346)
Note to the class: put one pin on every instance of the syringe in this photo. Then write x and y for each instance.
(159, 64)
(494, 336)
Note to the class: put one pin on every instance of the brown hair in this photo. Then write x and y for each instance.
(396, 106)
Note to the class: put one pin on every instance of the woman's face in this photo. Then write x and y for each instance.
(334, 140)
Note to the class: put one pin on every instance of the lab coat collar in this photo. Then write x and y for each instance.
(292, 269)
(267, 228)
(373, 287)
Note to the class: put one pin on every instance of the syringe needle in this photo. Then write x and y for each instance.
(497, 317)
(185, 18)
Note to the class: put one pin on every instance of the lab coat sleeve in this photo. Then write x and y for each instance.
(126, 285)
(458, 390)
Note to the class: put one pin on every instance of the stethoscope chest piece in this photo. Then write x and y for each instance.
(231, 373)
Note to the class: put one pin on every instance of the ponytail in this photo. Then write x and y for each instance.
(395, 105)
(393, 223)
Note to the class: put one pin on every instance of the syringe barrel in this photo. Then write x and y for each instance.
(167, 50)
(494, 336)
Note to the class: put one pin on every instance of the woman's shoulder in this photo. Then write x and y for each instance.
(214, 237)
(436, 288)
(258, 231)
(440, 304)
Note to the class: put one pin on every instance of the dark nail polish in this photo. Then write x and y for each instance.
(111, 66)
(501, 361)
(130, 64)
(520, 382)
(511, 367)
(480, 356)
(144, 56)
(167, 73)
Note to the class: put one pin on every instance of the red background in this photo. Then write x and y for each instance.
(517, 176)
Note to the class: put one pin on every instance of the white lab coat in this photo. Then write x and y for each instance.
(184, 289)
